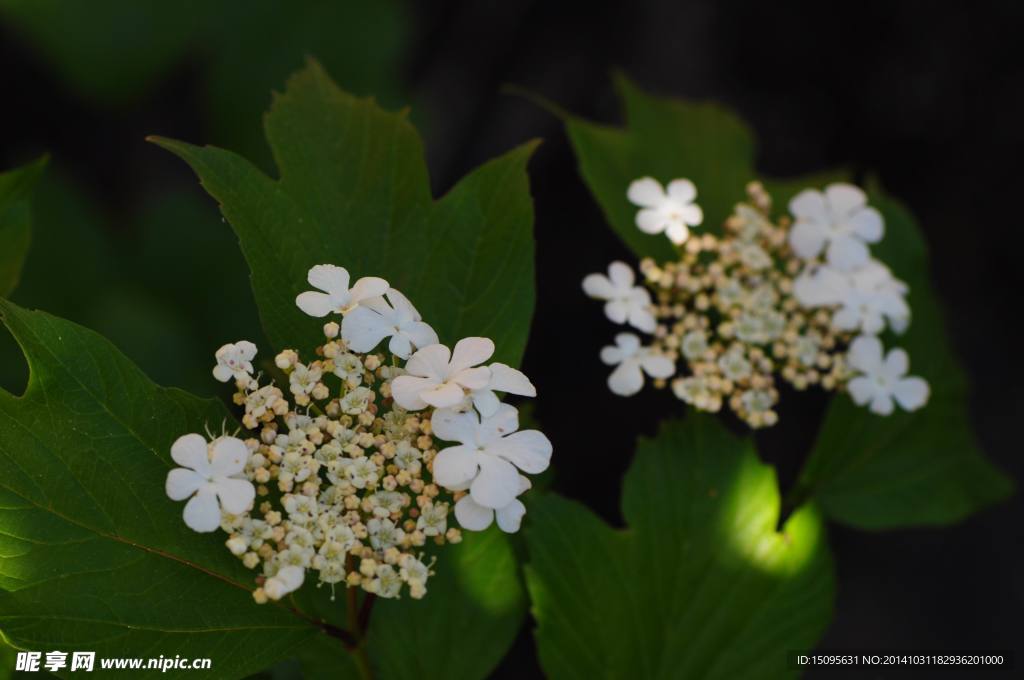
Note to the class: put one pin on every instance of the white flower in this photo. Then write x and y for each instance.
(376, 319)
(386, 584)
(362, 473)
(694, 345)
(867, 297)
(625, 302)
(210, 473)
(407, 457)
(488, 454)
(286, 580)
(356, 401)
(441, 378)
(349, 368)
(882, 380)
(505, 379)
(303, 379)
(672, 211)
(433, 519)
(838, 219)
(336, 296)
(476, 517)
(234, 360)
(633, 361)
(384, 533)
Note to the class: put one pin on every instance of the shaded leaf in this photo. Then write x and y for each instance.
(15, 221)
(354, 191)
(700, 584)
(94, 555)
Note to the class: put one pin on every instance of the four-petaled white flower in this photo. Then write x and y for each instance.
(336, 296)
(867, 297)
(633, 361)
(234, 360)
(210, 473)
(625, 301)
(488, 454)
(672, 212)
(475, 517)
(286, 580)
(438, 377)
(881, 380)
(838, 221)
(303, 379)
(376, 319)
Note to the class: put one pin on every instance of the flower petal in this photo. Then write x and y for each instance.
(529, 450)
(861, 389)
(430, 362)
(368, 287)
(362, 329)
(651, 221)
(844, 198)
(399, 345)
(867, 224)
(682, 191)
(617, 311)
(443, 396)
(621, 276)
(230, 454)
(456, 465)
(202, 513)
(912, 393)
(677, 232)
(246, 350)
(486, 402)
(807, 239)
(882, 404)
(497, 483)
(222, 373)
(598, 286)
(510, 517)
(645, 192)
(809, 205)
(846, 253)
(865, 354)
(471, 515)
(506, 379)
(505, 421)
(896, 364)
(236, 495)
(471, 352)
(420, 334)
(455, 426)
(641, 319)
(691, 214)
(182, 483)
(406, 390)
(190, 451)
(329, 278)
(475, 378)
(626, 380)
(314, 304)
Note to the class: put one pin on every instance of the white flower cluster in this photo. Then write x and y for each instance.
(354, 465)
(801, 298)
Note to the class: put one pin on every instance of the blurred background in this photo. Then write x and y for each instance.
(927, 96)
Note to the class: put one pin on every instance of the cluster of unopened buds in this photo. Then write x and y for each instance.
(798, 297)
(356, 460)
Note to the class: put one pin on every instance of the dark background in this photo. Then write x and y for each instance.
(928, 96)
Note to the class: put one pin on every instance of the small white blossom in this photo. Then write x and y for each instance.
(626, 303)
(303, 379)
(694, 345)
(384, 533)
(387, 583)
(407, 457)
(286, 580)
(438, 377)
(356, 401)
(632, 362)
(210, 473)
(867, 297)
(489, 452)
(336, 296)
(395, 318)
(881, 380)
(234, 360)
(475, 517)
(349, 368)
(433, 519)
(362, 473)
(672, 211)
(838, 221)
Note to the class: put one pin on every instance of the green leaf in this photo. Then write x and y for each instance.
(354, 191)
(94, 556)
(907, 469)
(866, 471)
(699, 585)
(15, 221)
(664, 139)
